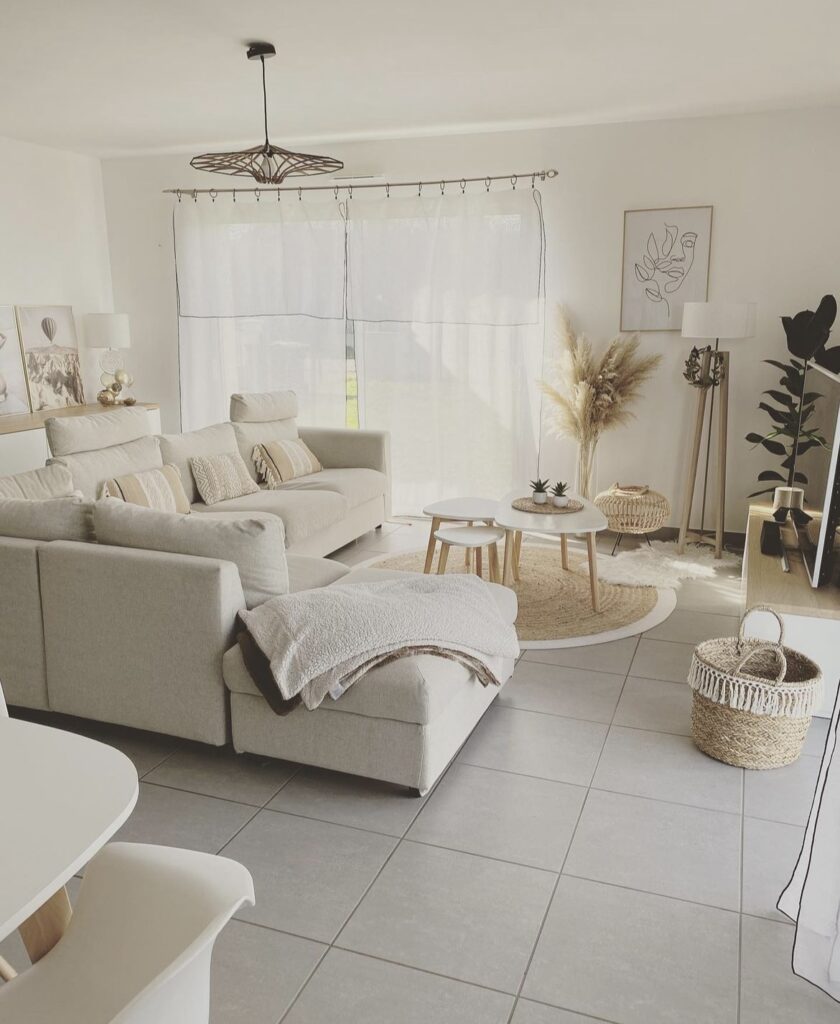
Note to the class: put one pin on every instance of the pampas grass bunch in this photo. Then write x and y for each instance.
(589, 394)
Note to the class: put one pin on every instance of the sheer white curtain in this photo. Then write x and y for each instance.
(812, 898)
(419, 315)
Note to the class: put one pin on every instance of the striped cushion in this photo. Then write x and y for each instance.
(153, 488)
(280, 461)
(218, 477)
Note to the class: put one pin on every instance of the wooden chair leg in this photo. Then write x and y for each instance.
(507, 574)
(517, 555)
(444, 554)
(7, 972)
(494, 563)
(430, 547)
(478, 559)
(564, 550)
(44, 928)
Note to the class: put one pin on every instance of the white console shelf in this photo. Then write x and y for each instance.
(23, 440)
(811, 615)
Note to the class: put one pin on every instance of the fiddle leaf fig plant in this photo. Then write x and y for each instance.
(785, 422)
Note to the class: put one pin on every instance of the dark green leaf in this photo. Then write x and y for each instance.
(774, 414)
(757, 494)
(781, 398)
(773, 446)
(770, 474)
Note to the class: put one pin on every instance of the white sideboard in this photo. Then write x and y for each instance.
(23, 439)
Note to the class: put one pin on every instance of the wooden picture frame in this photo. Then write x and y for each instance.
(14, 387)
(51, 356)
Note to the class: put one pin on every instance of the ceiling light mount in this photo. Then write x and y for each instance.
(268, 164)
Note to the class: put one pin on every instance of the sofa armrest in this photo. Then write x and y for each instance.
(137, 637)
(339, 448)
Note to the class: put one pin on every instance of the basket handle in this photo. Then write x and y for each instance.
(761, 608)
(776, 649)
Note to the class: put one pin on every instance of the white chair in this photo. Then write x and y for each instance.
(137, 949)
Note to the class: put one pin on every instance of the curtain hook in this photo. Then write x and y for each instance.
(213, 194)
(349, 191)
(419, 188)
(195, 195)
(257, 194)
(335, 193)
(178, 194)
(513, 180)
(387, 190)
(443, 188)
(487, 184)
(533, 180)
(234, 195)
(463, 185)
(300, 193)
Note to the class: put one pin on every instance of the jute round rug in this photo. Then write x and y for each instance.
(553, 604)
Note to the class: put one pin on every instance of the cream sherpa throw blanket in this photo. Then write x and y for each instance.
(320, 642)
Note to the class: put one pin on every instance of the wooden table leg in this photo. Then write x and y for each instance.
(564, 550)
(507, 572)
(478, 561)
(444, 554)
(7, 972)
(494, 563)
(593, 571)
(430, 547)
(517, 555)
(468, 555)
(44, 928)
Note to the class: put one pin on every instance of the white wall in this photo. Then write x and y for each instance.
(772, 179)
(53, 238)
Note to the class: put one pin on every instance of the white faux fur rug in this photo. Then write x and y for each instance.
(660, 566)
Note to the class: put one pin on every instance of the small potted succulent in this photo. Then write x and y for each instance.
(559, 496)
(539, 491)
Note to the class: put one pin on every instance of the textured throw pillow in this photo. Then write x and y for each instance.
(253, 541)
(48, 519)
(279, 461)
(218, 477)
(153, 488)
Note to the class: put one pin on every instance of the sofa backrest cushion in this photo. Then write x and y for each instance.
(49, 519)
(70, 434)
(22, 664)
(263, 407)
(253, 541)
(152, 488)
(90, 470)
(178, 449)
(47, 482)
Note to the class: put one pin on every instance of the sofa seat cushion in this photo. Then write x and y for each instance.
(91, 469)
(307, 573)
(416, 689)
(356, 485)
(303, 512)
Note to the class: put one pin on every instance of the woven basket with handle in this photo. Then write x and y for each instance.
(753, 699)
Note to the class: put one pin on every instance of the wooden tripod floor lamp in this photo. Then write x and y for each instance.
(707, 369)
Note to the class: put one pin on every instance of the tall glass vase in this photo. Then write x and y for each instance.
(585, 476)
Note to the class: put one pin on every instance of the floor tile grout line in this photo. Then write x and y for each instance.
(207, 796)
(568, 850)
(303, 984)
(651, 892)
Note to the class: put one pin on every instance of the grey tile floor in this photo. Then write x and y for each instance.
(579, 861)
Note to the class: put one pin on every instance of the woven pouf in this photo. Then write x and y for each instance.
(634, 508)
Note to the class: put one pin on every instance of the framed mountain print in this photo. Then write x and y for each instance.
(51, 356)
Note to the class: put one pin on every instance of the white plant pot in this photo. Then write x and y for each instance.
(539, 497)
(560, 501)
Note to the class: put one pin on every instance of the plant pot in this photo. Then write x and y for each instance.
(560, 501)
(539, 497)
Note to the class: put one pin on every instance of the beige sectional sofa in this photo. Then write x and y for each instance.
(146, 638)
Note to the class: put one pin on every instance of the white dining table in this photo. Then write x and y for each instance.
(64, 796)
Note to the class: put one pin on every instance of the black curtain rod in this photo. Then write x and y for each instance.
(513, 179)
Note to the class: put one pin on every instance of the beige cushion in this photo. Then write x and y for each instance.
(47, 482)
(249, 435)
(304, 513)
(356, 485)
(221, 477)
(277, 462)
(262, 407)
(50, 519)
(254, 543)
(178, 449)
(153, 488)
(91, 469)
(307, 573)
(69, 434)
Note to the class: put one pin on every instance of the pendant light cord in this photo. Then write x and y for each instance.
(265, 102)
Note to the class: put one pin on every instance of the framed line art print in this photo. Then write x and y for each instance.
(665, 264)
(14, 394)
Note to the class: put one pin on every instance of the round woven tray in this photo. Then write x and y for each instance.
(548, 509)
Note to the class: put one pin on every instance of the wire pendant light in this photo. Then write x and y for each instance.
(267, 163)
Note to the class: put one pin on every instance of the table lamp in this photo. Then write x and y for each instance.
(109, 331)
(707, 369)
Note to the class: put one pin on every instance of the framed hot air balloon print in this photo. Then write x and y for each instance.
(14, 394)
(51, 356)
(666, 263)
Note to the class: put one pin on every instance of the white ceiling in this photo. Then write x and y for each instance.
(128, 76)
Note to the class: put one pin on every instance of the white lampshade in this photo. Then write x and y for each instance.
(718, 320)
(107, 330)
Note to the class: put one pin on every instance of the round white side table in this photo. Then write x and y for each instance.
(472, 538)
(458, 510)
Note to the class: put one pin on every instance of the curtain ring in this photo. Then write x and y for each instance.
(349, 191)
(178, 194)
(213, 194)
(463, 185)
(195, 195)
(487, 184)
(387, 190)
(335, 193)
(234, 195)
(533, 180)
(257, 194)
(513, 180)
(419, 188)
(300, 193)
(442, 187)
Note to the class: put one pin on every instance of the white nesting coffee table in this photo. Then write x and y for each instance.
(458, 510)
(589, 521)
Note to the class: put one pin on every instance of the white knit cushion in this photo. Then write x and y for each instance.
(279, 461)
(220, 477)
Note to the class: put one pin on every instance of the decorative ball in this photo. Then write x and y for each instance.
(129, 400)
(106, 397)
(116, 387)
(123, 377)
(106, 379)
